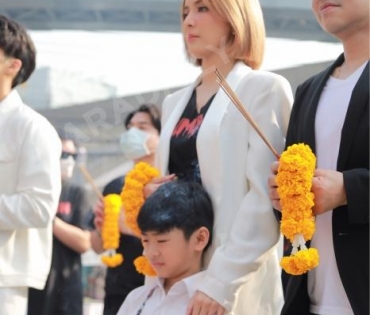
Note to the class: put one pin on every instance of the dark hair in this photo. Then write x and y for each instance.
(177, 204)
(65, 136)
(16, 43)
(151, 110)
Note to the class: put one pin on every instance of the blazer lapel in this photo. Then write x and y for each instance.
(221, 101)
(209, 152)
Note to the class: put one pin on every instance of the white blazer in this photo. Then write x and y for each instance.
(243, 272)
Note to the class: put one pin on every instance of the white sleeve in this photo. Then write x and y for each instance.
(33, 203)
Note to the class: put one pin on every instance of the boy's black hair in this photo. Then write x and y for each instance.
(177, 204)
(151, 110)
(16, 43)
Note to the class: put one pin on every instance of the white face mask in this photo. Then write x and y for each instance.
(134, 143)
(66, 167)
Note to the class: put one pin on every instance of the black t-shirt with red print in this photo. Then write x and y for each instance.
(63, 292)
(183, 159)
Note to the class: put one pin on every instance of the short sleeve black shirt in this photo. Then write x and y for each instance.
(62, 294)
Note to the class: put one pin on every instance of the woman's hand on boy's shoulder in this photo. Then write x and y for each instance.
(151, 187)
(202, 304)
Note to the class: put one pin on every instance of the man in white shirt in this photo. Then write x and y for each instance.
(176, 225)
(30, 183)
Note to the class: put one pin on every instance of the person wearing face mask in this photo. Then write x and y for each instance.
(135, 144)
(63, 293)
(138, 144)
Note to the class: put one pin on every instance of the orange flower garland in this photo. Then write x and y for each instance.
(143, 266)
(110, 230)
(132, 197)
(294, 180)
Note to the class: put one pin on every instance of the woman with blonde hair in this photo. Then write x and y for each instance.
(206, 139)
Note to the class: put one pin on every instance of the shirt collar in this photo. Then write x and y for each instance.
(10, 102)
(192, 282)
(188, 284)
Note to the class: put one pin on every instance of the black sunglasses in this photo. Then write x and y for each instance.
(66, 155)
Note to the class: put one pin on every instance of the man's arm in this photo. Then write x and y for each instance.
(71, 236)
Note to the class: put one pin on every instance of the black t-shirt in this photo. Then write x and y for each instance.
(62, 294)
(121, 280)
(183, 159)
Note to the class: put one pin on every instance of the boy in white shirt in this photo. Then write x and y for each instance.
(176, 224)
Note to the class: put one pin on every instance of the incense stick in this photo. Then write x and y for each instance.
(90, 180)
(234, 98)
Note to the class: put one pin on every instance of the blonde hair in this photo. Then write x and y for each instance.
(247, 35)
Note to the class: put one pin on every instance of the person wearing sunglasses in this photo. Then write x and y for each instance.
(63, 293)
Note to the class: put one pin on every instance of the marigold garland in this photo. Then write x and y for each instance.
(110, 230)
(144, 267)
(294, 180)
(132, 197)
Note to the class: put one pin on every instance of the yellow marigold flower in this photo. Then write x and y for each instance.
(110, 230)
(132, 193)
(144, 267)
(112, 261)
(290, 228)
(294, 179)
(132, 197)
(301, 262)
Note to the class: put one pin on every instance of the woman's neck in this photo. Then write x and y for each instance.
(209, 67)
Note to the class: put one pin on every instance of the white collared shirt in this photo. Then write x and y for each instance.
(159, 303)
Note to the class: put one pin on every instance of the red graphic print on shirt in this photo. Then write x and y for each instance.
(187, 127)
(64, 207)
